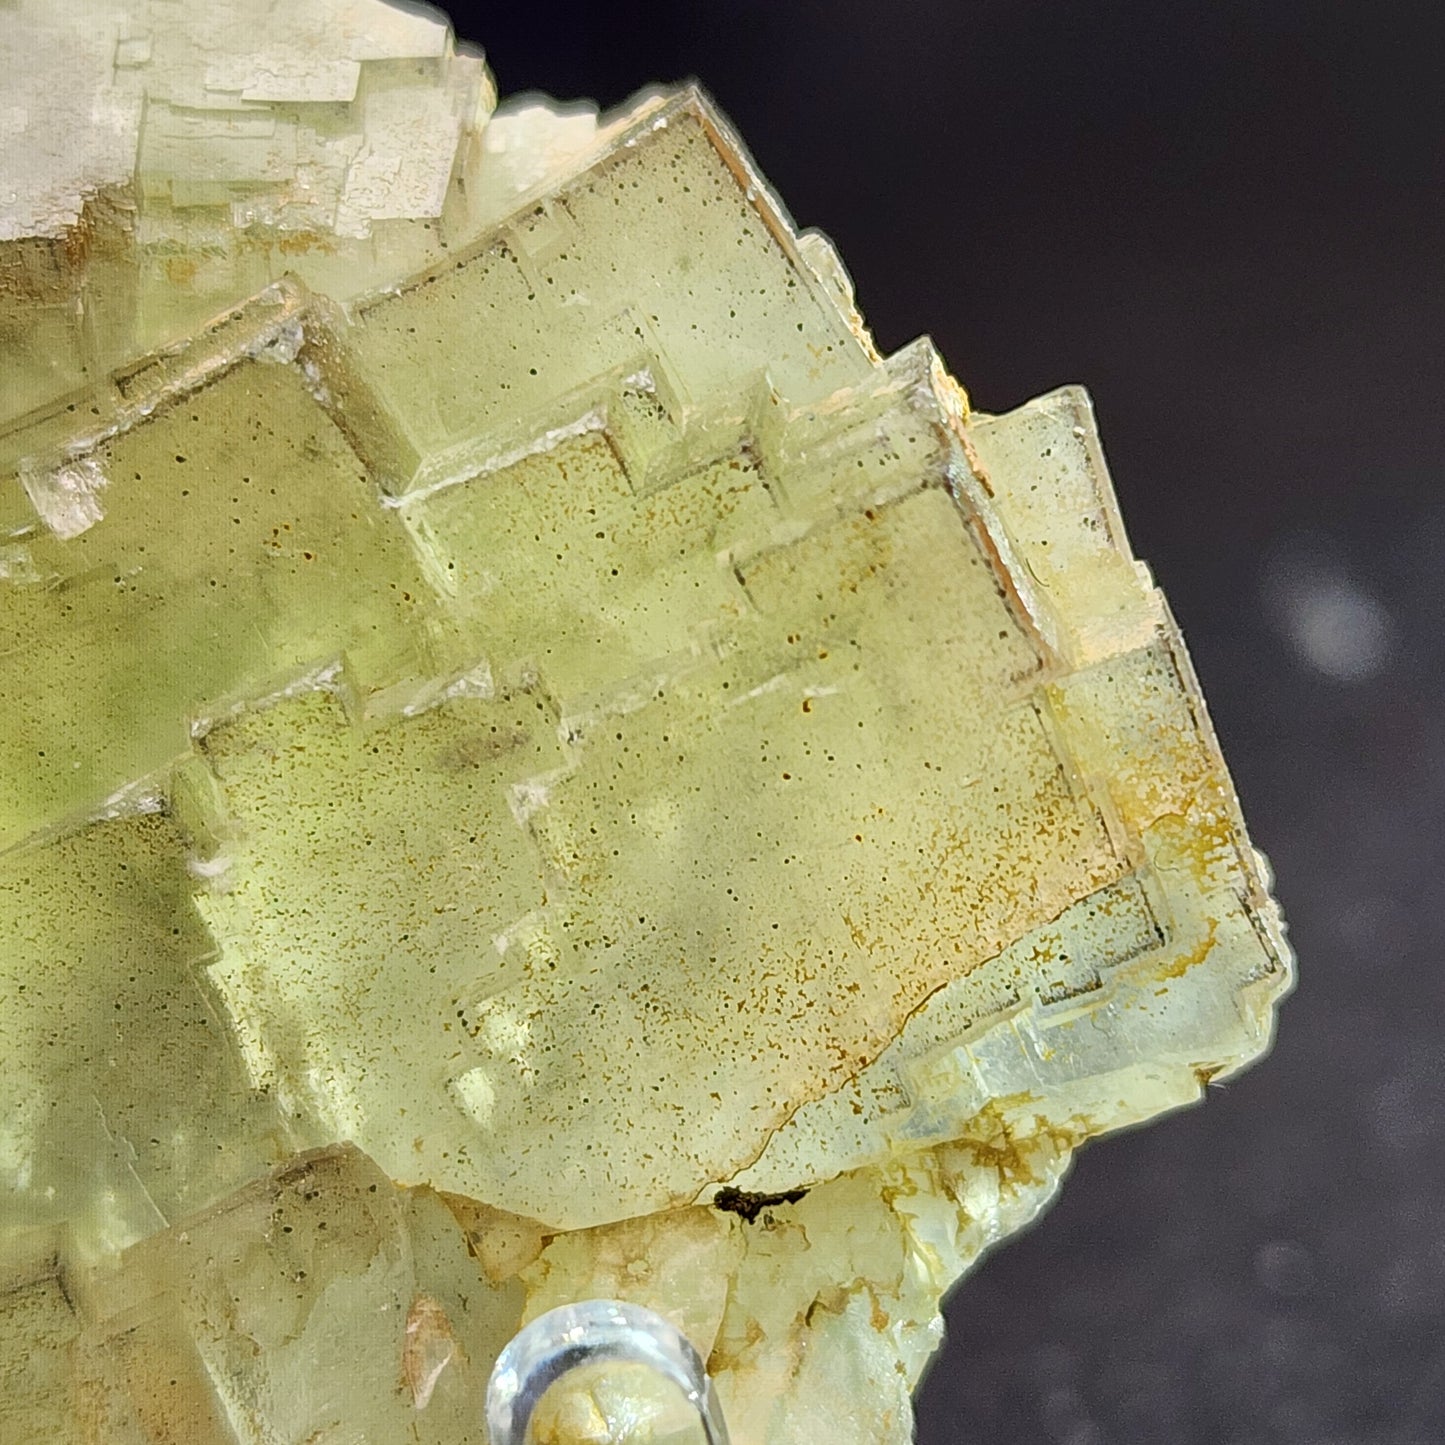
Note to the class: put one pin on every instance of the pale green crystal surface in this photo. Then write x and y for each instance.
(536, 764)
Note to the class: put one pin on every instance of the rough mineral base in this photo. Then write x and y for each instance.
(534, 763)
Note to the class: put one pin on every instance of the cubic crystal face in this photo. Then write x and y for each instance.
(537, 764)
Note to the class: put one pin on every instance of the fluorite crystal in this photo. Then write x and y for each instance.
(536, 764)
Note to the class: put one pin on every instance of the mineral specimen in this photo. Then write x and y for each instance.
(536, 764)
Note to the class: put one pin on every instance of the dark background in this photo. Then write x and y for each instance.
(1226, 219)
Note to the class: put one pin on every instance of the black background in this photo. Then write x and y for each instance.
(1226, 219)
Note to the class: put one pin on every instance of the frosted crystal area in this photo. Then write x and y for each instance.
(536, 764)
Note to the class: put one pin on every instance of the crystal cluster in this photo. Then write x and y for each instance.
(536, 764)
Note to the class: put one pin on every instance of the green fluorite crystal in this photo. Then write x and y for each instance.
(536, 764)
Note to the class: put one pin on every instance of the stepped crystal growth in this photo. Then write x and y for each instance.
(536, 764)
